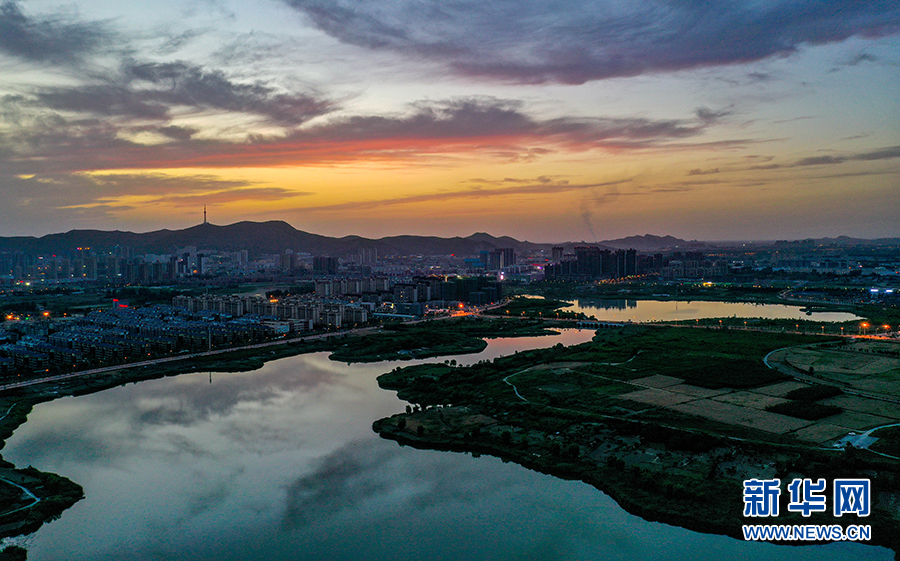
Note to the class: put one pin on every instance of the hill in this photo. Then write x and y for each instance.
(257, 237)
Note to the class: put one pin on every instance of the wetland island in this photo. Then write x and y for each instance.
(670, 420)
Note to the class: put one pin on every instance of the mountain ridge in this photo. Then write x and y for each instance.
(276, 236)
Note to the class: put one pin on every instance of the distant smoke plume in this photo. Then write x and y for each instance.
(586, 216)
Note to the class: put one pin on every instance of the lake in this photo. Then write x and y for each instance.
(676, 310)
(281, 463)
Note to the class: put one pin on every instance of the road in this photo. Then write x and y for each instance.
(34, 498)
(800, 376)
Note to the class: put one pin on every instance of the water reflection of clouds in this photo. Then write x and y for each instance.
(182, 445)
(390, 502)
(258, 436)
(190, 401)
(343, 480)
(164, 412)
(374, 478)
(111, 427)
(70, 443)
(208, 496)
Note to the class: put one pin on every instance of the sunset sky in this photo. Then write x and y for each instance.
(548, 121)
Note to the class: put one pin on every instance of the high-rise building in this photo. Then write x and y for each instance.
(324, 265)
(368, 256)
(498, 258)
(556, 254)
(630, 262)
(405, 293)
(589, 261)
(290, 261)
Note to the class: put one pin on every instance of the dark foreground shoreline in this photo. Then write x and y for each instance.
(708, 504)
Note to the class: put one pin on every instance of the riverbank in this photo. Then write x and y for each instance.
(465, 335)
(689, 489)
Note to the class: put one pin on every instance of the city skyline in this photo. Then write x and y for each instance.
(545, 122)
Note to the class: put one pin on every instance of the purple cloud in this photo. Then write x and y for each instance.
(52, 40)
(886, 153)
(151, 90)
(502, 128)
(531, 41)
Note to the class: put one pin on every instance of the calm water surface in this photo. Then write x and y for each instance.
(281, 463)
(674, 310)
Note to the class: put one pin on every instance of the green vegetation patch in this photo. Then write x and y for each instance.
(807, 410)
(434, 338)
(568, 389)
(716, 373)
(14, 553)
(710, 358)
(813, 393)
(888, 441)
(56, 494)
(584, 377)
(399, 378)
(534, 307)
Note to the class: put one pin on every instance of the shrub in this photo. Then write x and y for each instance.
(807, 410)
(813, 393)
